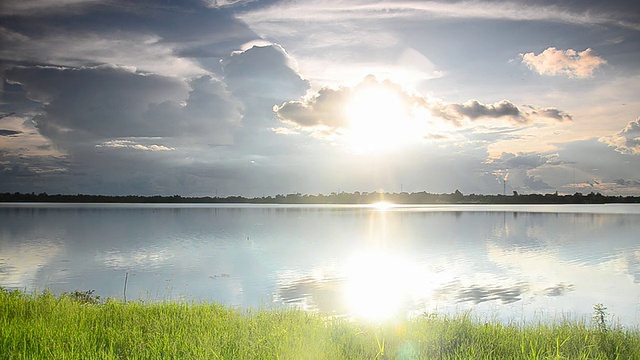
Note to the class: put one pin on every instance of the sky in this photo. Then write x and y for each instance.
(258, 98)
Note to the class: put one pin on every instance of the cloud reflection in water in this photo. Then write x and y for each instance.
(342, 261)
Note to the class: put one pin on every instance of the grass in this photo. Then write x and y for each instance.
(82, 326)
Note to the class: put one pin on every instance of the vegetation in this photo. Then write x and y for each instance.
(80, 325)
(335, 198)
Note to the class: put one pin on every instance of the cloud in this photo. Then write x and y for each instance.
(184, 39)
(112, 102)
(520, 169)
(535, 184)
(574, 166)
(146, 52)
(99, 101)
(216, 4)
(329, 108)
(261, 77)
(335, 11)
(4, 132)
(265, 72)
(623, 182)
(521, 160)
(627, 141)
(554, 62)
(125, 130)
(2, 116)
(29, 172)
(549, 113)
(130, 144)
(22, 140)
(117, 130)
(172, 117)
(474, 110)
(37, 7)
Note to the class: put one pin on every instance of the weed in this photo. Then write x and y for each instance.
(600, 317)
(84, 297)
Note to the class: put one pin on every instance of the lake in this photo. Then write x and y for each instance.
(508, 263)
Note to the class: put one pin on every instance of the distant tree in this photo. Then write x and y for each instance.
(457, 196)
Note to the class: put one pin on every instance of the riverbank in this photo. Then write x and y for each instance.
(82, 326)
(415, 198)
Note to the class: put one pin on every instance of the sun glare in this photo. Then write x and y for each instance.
(378, 118)
(378, 285)
(382, 206)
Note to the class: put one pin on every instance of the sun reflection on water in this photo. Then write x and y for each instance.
(379, 285)
(383, 206)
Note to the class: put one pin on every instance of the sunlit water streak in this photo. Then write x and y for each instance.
(510, 263)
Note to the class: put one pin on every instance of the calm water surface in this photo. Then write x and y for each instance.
(511, 263)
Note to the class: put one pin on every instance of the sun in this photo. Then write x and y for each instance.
(379, 117)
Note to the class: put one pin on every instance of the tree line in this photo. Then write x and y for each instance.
(334, 198)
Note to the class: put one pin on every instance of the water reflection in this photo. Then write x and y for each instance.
(308, 293)
(379, 284)
(21, 264)
(477, 293)
(370, 262)
(558, 290)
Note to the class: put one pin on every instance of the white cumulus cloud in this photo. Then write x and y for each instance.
(129, 144)
(627, 141)
(552, 62)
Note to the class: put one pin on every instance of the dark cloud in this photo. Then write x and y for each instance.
(183, 37)
(575, 164)
(535, 184)
(4, 132)
(519, 170)
(263, 72)
(169, 103)
(43, 7)
(7, 115)
(103, 101)
(209, 115)
(474, 110)
(550, 113)
(124, 126)
(624, 182)
(124, 131)
(326, 108)
(106, 102)
(522, 160)
(38, 174)
(261, 77)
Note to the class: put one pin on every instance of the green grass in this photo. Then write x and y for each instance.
(80, 326)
